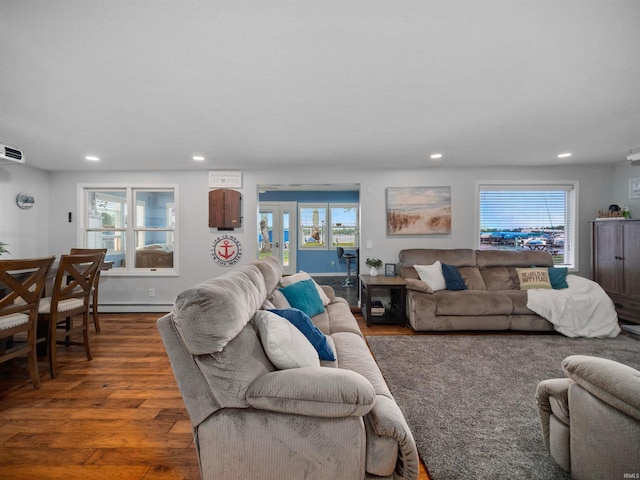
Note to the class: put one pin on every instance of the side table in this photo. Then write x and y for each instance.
(380, 286)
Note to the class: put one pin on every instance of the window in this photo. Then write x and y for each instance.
(538, 216)
(342, 219)
(344, 223)
(137, 226)
(312, 225)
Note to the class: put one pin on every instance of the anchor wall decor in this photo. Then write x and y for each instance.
(226, 250)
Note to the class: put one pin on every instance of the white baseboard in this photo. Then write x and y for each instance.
(135, 308)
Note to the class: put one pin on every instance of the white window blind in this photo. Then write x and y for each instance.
(529, 216)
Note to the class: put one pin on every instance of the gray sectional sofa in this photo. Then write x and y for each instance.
(252, 420)
(493, 300)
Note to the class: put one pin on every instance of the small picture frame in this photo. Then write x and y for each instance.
(634, 188)
(390, 269)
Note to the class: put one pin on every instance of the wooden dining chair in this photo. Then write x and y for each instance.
(22, 282)
(69, 299)
(94, 293)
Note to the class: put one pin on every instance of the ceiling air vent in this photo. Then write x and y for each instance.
(10, 154)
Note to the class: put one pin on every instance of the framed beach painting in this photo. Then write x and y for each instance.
(418, 210)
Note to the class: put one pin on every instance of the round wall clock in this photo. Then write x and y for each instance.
(226, 250)
(25, 201)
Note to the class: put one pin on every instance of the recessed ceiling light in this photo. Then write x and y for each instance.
(198, 158)
(92, 158)
(436, 155)
(564, 155)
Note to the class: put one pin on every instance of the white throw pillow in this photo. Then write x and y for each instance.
(432, 275)
(284, 344)
(300, 276)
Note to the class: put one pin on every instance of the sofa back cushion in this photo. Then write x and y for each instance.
(215, 322)
(513, 258)
(229, 373)
(498, 267)
(271, 269)
(210, 314)
(459, 257)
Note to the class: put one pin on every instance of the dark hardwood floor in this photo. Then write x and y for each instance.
(118, 416)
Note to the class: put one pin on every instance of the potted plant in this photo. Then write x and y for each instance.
(374, 264)
(2, 249)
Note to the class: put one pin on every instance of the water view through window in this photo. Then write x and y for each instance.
(520, 219)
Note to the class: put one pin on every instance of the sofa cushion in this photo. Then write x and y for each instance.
(500, 278)
(533, 278)
(277, 300)
(472, 302)
(472, 278)
(452, 277)
(519, 301)
(460, 257)
(303, 323)
(271, 270)
(304, 296)
(341, 318)
(285, 345)
(300, 276)
(317, 392)
(208, 315)
(513, 258)
(353, 354)
(432, 275)
(230, 372)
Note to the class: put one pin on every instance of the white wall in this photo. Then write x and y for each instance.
(195, 237)
(45, 229)
(620, 188)
(26, 231)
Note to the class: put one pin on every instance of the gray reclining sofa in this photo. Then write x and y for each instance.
(253, 421)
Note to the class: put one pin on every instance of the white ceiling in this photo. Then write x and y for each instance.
(284, 84)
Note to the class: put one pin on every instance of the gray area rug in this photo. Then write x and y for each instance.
(469, 399)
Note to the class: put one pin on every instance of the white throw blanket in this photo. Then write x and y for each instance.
(582, 310)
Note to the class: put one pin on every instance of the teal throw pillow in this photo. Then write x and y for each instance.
(558, 277)
(452, 278)
(304, 296)
(302, 321)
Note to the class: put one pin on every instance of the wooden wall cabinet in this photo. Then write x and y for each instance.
(224, 209)
(615, 264)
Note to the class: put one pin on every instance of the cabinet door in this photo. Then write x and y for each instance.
(631, 254)
(606, 255)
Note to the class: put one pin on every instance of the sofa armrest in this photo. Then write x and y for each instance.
(417, 285)
(313, 391)
(614, 383)
(557, 389)
(386, 420)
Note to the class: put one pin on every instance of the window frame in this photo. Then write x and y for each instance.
(571, 210)
(333, 226)
(323, 229)
(130, 228)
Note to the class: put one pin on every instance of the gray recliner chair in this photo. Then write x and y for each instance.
(591, 420)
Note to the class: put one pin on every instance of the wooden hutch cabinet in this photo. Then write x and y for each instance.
(615, 264)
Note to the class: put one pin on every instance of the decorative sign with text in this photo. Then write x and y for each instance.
(225, 179)
(226, 250)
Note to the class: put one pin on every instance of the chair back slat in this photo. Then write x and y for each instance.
(24, 281)
(75, 277)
